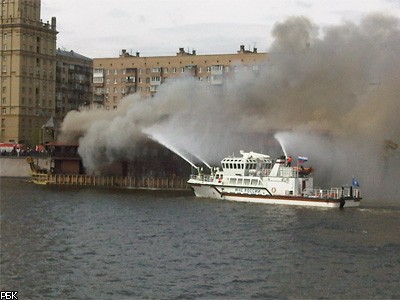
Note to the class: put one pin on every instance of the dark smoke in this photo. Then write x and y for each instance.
(332, 94)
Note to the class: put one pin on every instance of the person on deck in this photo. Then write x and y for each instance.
(289, 161)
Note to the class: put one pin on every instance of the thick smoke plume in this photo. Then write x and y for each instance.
(332, 94)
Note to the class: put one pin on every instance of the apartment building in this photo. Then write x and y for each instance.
(73, 82)
(40, 84)
(115, 78)
(28, 71)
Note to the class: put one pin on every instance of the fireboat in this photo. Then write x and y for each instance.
(255, 177)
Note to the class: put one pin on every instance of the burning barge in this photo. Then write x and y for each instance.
(153, 168)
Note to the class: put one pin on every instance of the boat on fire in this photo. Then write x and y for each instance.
(255, 177)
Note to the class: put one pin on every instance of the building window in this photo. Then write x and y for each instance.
(173, 70)
(130, 79)
(165, 70)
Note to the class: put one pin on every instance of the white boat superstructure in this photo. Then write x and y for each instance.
(255, 177)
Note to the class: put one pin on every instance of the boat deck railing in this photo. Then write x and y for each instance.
(333, 193)
(149, 183)
(204, 177)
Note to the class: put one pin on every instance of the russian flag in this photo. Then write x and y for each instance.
(302, 159)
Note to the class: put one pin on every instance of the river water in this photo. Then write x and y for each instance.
(87, 243)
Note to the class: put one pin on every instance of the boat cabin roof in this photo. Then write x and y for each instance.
(248, 161)
(248, 157)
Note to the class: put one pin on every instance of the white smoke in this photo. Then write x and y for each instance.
(334, 95)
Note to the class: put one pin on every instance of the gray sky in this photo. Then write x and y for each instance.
(101, 28)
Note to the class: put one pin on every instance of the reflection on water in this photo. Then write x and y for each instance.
(64, 242)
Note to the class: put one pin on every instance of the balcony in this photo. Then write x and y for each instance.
(155, 80)
(98, 73)
(217, 79)
(217, 70)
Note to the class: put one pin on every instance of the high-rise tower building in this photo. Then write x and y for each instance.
(28, 71)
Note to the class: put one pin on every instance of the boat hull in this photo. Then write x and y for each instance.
(217, 192)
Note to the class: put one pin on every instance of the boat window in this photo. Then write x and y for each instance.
(239, 181)
(231, 165)
(234, 166)
(246, 182)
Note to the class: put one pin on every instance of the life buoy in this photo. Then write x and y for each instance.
(273, 190)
